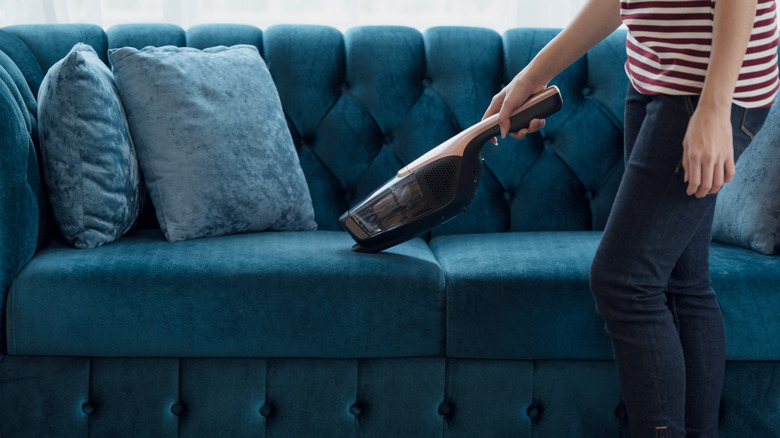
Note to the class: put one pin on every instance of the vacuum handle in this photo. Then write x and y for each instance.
(538, 106)
(549, 103)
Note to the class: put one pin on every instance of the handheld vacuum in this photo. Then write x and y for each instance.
(437, 186)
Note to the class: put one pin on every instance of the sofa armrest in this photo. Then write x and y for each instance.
(19, 202)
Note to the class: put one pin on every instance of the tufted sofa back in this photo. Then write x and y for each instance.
(362, 104)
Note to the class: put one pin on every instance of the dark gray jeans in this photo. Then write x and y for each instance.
(650, 276)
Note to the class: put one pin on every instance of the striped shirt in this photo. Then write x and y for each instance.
(669, 44)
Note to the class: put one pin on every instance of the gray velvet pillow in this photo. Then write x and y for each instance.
(89, 163)
(747, 213)
(212, 141)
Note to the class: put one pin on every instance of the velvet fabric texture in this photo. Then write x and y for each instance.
(528, 295)
(141, 35)
(327, 82)
(89, 162)
(24, 60)
(20, 188)
(49, 43)
(330, 88)
(409, 397)
(521, 296)
(747, 213)
(16, 84)
(212, 141)
(14, 78)
(282, 294)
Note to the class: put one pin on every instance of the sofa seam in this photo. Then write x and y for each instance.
(358, 399)
(564, 159)
(534, 386)
(266, 362)
(11, 323)
(445, 314)
(446, 395)
(89, 388)
(611, 116)
(179, 395)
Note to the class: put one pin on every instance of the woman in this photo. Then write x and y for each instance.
(703, 74)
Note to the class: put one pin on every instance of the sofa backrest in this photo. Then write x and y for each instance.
(362, 104)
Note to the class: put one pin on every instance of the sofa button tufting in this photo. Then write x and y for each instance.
(445, 409)
(345, 87)
(177, 409)
(587, 91)
(387, 139)
(427, 82)
(355, 410)
(266, 410)
(87, 408)
(547, 142)
(532, 412)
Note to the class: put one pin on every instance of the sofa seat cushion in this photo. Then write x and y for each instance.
(521, 296)
(748, 288)
(275, 294)
(526, 296)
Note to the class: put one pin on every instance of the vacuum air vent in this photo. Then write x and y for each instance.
(440, 177)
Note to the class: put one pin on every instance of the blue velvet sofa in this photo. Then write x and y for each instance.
(483, 328)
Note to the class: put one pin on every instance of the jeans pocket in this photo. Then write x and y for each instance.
(677, 187)
(750, 122)
(753, 120)
(690, 104)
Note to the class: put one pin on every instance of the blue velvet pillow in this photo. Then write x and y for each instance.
(747, 213)
(212, 141)
(89, 163)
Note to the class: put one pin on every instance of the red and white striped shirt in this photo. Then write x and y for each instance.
(669, 44)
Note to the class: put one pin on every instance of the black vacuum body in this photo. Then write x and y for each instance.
(437, 186)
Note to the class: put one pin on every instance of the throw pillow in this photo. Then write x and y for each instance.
(212, 141)
(89, 163)
(747, 213)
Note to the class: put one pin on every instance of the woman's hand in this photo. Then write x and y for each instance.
(508, 100)
(708, 152)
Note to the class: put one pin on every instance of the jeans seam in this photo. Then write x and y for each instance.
(744, 128)
(672, 299)
(689, 105)
(689, 109)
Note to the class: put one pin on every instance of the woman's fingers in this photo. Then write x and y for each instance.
(535, 125)
(495, 104)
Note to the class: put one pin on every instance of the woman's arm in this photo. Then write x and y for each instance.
(596, 20)
(708, 153)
